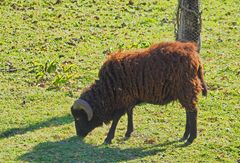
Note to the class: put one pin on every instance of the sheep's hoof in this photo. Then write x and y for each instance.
(127, 136)
(187, 143)
(106, 141)
(182, 139)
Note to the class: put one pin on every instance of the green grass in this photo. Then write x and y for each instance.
(39, 41)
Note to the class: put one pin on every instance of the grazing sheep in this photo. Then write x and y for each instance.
(160, 74)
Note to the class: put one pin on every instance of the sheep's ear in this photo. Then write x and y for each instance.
(82, 104)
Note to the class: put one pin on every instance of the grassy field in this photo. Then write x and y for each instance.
(49, 52)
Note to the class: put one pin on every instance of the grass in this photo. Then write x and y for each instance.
(50, 52)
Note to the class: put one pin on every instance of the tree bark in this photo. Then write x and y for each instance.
(189, 22)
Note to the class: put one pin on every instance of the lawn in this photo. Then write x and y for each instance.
(50, 51)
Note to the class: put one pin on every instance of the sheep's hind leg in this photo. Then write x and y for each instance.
(187, 128)
(188, 99)
(130, 123)
(111, 132)
(193, 126)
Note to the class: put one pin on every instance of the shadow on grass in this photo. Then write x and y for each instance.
(56, 121)
(76, 150)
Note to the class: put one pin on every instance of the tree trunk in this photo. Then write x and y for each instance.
(188, 22)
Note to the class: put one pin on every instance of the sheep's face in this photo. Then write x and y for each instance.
(82, 125)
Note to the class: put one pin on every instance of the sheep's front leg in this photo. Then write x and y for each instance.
(191, 127)
(130, 123)
(111, 132)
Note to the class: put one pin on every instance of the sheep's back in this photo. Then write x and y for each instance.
(154, 75)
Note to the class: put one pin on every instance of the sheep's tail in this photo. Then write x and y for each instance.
(200, 75)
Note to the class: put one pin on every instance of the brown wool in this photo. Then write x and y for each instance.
(159, 74)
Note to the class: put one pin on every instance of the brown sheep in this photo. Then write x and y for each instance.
(159, 74)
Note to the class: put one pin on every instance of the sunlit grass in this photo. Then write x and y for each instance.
(35, 119)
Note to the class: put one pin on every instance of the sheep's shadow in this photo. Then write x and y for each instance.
(75, 149)
(56, 121)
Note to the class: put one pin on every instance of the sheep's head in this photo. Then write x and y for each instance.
(85, 121)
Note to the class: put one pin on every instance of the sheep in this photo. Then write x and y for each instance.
(162, 73)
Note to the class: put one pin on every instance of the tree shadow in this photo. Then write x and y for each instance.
(56, 121)
(75, 149)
